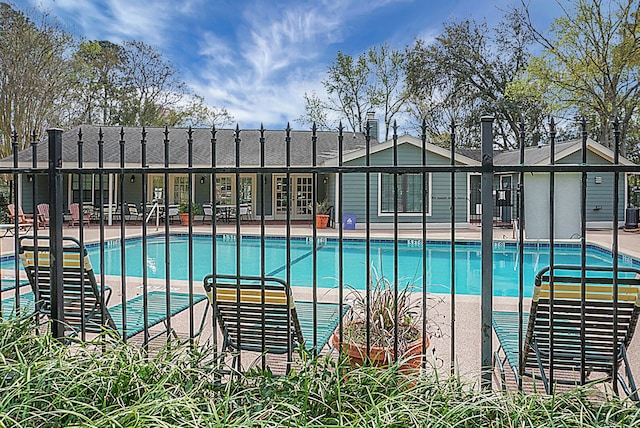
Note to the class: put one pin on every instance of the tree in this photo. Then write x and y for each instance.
(152, 85)
(316, 113)
(356, 86)
(197, 113)
(34, 75)
(388, 66)
(98, 67)
(591, 62)
(469, 69)
(132, 85)
(349, 88)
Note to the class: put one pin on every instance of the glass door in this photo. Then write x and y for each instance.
(301, 196)
(280, 196)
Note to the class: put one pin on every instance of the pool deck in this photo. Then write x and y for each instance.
(467, 330)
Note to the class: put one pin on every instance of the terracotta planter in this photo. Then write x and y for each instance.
(184, 219)
(379, 356)
(322, 220)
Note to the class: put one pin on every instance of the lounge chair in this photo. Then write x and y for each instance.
(569, 336)
(43, 214)
(75, 215)
(92, 314)
(25, 221)
(286, 324)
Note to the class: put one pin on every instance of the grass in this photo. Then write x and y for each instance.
(46, 383)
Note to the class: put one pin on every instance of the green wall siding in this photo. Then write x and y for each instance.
(354, 194)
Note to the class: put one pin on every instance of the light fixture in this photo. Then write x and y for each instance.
(133, 178)
(30, 178)
(202, 180)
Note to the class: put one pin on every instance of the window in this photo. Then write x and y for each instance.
(224, 191)
(156, 190)
(246, 185)
(90, 187)
(409, 193)
(180, 189)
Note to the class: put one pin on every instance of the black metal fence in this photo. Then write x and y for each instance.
(326, 178)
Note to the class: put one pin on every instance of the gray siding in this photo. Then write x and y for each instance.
(354, 194)
(42, 195)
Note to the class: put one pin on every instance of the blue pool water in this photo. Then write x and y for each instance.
(438, 279)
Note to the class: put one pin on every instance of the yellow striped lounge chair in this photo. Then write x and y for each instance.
(259, 314)
(556, 336)
(85, 307)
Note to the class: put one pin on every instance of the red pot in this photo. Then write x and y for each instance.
(380, 356)
(322, 220)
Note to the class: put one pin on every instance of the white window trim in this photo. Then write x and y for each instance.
(416, 214)
(469, 194)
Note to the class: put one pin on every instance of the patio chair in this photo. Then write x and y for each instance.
(75, 215)
(84, 304)
(132, 213)
(43, 214)
(245, 211)
(25, 221)
(207, 210)
(569, 336)
(172, 213)
(282, 326)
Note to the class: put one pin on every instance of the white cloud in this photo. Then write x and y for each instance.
(256, 58)
(118, 20)
(281, 53)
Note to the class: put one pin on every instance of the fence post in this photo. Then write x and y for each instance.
(55, 231)
(486, 303)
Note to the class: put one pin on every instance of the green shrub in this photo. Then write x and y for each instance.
(44, 382)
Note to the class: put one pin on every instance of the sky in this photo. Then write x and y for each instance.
(257, 58)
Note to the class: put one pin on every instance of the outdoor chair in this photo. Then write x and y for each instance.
(85, 307)
(172, 213)
(132, 213)
(267, 320)
(43, 214)
(245, 212)
(207, 210)
(572, 341)
(25, 221)
(75, 215)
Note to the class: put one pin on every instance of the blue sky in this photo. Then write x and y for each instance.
(257, 58)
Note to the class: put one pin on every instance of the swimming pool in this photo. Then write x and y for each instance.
(438, 261)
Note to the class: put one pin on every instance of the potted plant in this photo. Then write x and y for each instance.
(323, 210)
(183, 211)
(382, 325)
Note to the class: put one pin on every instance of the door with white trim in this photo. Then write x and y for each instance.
(301, 195)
